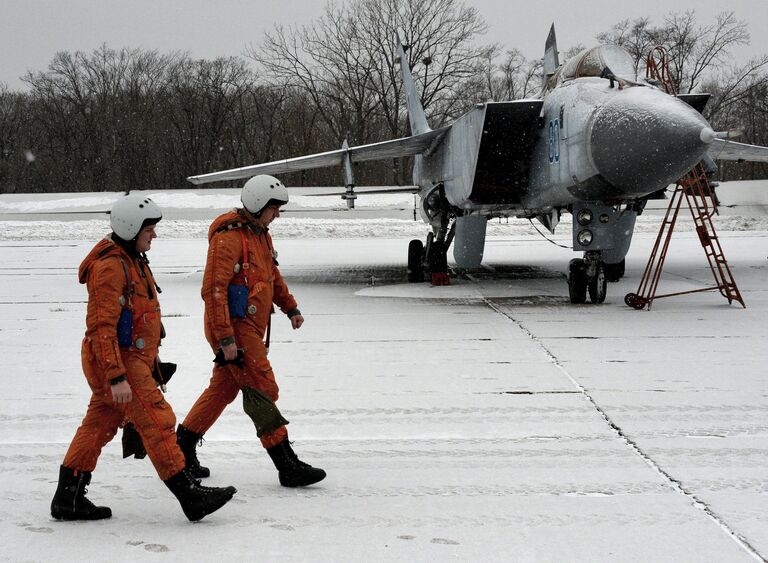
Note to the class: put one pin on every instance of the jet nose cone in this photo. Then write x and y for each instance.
(707, 135)
(644, 139)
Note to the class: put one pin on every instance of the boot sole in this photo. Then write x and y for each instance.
(197, 516)
(73, 517)
(303, 483)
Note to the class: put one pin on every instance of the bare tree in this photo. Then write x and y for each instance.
(345, 65)
(516, 77)
(740, 100)
(13, 154)
(637, 37)
(345, 61)
(693, 50)
(202, 98)
(93, 116)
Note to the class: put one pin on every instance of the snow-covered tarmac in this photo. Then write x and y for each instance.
(486, 421)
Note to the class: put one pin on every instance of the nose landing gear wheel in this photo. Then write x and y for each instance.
(598, 285)
(577, 281)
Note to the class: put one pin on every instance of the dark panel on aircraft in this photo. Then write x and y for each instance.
(696, 101)
(595, 188)
(504, 157)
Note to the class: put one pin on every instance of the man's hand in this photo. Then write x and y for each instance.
(121, 393)
(239, 359)
(297, 321)
(230, 351)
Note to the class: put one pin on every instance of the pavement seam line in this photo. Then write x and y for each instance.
(674, 483)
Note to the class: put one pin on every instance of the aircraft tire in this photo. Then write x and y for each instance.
(415, 261)
(614, 272)
(598, 285)
(577, 281)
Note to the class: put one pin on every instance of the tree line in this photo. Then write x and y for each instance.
(111, 120)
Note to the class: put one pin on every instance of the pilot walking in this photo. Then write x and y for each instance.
(240, 284)
(119, 353)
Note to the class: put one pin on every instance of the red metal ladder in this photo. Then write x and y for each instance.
(698, 194)
(695, 189)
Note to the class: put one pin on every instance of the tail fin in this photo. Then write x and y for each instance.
(416, 114)
(551, 60)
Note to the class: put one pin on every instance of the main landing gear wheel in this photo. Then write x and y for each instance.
(614, 272)
(438, 263)
(415, 261)
(598, 285)
(577, 280)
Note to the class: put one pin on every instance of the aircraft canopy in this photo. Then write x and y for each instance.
(591, 62)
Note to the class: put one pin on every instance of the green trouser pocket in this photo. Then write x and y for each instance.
(263, 412)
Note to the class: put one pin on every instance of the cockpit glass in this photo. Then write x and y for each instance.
(591, 62)
(619, 61)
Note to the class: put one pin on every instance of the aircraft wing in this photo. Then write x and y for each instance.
(723, 149)
(406, 146)
(368, 191)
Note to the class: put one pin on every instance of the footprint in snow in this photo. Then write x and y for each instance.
(156, 547)
(39, 529)
(444, 541)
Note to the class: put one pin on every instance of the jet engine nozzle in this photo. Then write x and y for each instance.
(644, 139)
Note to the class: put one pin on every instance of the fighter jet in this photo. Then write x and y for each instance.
(598, 143)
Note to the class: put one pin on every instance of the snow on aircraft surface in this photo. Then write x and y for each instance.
(598, 143)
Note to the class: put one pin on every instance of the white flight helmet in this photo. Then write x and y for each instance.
(132, 213)
(263, 190)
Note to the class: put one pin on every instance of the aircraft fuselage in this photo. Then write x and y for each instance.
(612, 144)
(590, 142)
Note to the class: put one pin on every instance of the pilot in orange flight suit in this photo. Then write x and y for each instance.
(240, 284)
(119, 354)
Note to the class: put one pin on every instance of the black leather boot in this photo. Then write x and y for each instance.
(292, 471)
(69, 501)
(196, 500)
(187, 441)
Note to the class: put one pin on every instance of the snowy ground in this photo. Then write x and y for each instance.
(486, 421)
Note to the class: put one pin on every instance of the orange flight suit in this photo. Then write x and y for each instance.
(230, 238)
(106, 271)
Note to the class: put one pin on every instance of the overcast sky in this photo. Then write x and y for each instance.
(31, 31)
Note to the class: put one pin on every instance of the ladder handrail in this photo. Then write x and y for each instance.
(657, 68)
(695, 189)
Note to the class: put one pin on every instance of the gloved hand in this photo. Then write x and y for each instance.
(239, 361)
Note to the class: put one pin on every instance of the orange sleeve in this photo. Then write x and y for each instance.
(106, 283)
(282, 297)
(224, 251)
